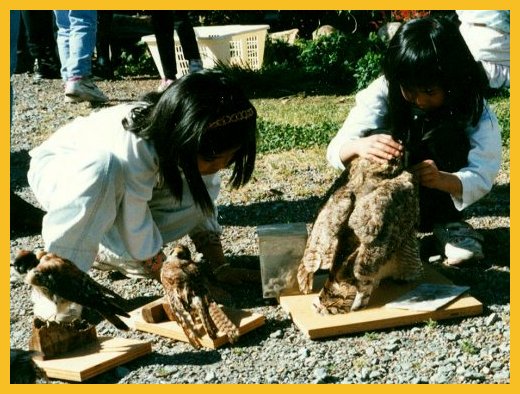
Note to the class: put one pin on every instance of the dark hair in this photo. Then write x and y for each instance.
(431, 51)
(204, 113)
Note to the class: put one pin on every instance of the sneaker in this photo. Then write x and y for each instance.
(106, 260)
(195, 65)
(460, 242)
(83, 90)
(164, 84)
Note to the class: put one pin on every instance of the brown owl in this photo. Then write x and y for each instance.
(189, 300)
(365, 231)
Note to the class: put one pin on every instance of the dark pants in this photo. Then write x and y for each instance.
(448, 146)
(39, 29)
(163, 26)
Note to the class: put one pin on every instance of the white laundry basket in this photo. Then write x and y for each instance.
(240, 45)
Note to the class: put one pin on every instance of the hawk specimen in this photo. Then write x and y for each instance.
(365, 231)
(62, 283)
(189, 301)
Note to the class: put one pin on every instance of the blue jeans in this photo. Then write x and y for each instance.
(14, 25)
(76, 42)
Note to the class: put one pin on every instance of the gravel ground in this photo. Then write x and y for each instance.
(464, 350)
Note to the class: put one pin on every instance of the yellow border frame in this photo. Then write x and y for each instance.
(6, 5)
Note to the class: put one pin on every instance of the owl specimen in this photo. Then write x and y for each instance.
(60, 283)
(364, 232)
(189, 301)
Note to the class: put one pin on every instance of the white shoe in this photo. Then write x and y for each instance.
(460, 242)
(106, 260)
(164, 84)
(83, 90)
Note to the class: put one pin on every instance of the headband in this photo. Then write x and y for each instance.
(233, 118)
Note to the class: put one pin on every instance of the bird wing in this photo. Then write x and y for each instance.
(173, 280)
(322, 245)
(190, 301)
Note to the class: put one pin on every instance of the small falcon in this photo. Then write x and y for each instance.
(62, 283)
(190, 301)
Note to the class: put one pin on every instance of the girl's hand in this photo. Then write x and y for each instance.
(428, 175)
(378, 147)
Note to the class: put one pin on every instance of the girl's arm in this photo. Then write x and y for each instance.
(369, 113)
(484, 160)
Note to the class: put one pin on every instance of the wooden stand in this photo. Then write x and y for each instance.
(153, 318)
(51, 339)
(94, 359)
(375, 316)
(73, 351)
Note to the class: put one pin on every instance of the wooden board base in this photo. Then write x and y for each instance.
(375, 316)
(244, 320)
(89, 361)
(51, 339)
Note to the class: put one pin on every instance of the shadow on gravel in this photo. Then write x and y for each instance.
(497, 246)
(269, 212)
(489, 285)
(496, 203)
(19, 165)
(25, 219)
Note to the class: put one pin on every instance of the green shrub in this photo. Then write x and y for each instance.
(368, 66)
(367, 69)
(278, 52)
(331, 56)
(139, 61)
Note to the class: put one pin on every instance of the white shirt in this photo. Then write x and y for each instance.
(146, 217)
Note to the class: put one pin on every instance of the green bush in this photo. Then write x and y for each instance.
(348, 60)
(278, 52)
(368, 67)
(331, 56)
(138, 61)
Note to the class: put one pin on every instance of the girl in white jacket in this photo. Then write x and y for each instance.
(122, 182)
(429, 106)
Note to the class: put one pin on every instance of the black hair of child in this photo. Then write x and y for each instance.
(430, 52)
(178, 122)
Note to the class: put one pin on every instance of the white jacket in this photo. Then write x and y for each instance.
(122, 205)
(484, 156)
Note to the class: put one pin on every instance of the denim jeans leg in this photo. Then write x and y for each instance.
(62, 40)
(82, 41)
(14, 28)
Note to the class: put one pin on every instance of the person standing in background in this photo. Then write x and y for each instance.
(487, 34)
(76, 43)
(41, 43)
(163, 27)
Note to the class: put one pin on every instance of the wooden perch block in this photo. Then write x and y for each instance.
(154, 312)
(52, 339)
(153, 318)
